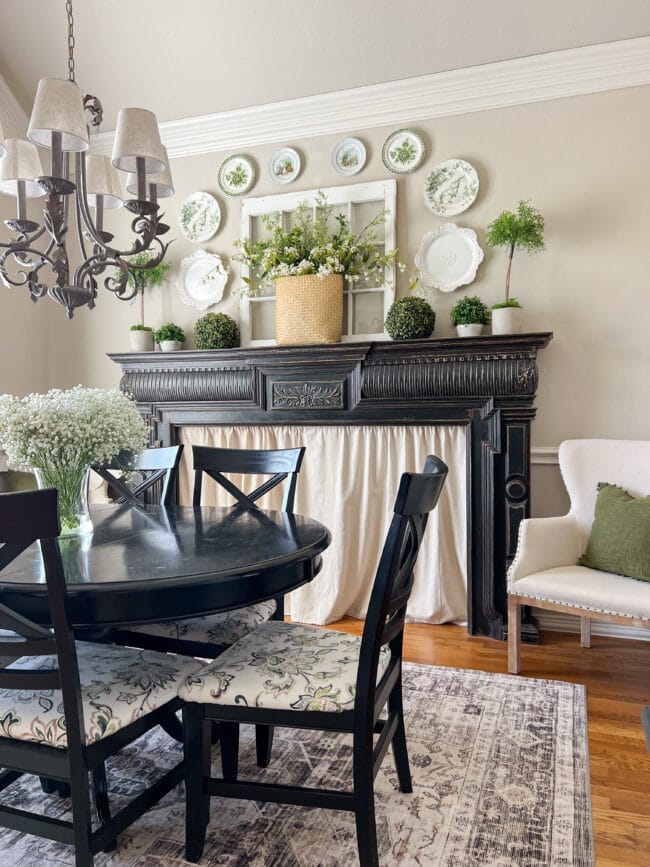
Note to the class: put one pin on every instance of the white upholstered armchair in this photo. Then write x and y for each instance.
(544, 572)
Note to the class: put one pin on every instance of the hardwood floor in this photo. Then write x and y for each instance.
(617, 676)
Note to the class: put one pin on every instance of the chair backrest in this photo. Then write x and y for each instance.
(584, 463)
(417, 496)
(26, 518)
(283, 465)
(160, 465)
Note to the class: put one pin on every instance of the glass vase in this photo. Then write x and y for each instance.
(72, 484)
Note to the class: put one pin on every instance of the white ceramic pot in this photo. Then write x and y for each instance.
(507, 320)
(469, 330)
(170, 345)
(141, 341)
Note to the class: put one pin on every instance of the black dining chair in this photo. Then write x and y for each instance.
(208, 636)
(287, 674)
(65, 705)
(151, 467)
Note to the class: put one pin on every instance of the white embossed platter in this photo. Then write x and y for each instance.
(449, 257)
(203, 279)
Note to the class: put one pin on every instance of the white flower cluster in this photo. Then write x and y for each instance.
(73, 427)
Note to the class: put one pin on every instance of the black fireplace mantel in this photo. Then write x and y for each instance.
(486, 384)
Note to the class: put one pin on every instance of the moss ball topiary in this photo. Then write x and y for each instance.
(410, 318)
(216, 331)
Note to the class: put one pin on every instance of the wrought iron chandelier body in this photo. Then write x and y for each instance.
(37, 255)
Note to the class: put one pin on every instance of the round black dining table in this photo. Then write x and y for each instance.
(154, 563)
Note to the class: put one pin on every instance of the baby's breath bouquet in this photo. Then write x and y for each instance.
(311, 247)
(61, 433)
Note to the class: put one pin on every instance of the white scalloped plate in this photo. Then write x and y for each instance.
(203, 279)
(449, 257)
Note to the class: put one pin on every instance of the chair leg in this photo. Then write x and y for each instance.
(100, 791)
(400, 751)
(81, 820)
(585, 632)
(229, 743)
(263, 744)
(514, 636)
(197, 769)
(364, 810)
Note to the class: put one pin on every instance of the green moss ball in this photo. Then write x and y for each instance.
(410, 319)
(216, 331)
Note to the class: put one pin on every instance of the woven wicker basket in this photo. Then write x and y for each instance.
(308, 309)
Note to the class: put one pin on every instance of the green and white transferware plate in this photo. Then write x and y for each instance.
(284, 165)
(200, 217)
(403, 151)
(349, 156)
(237, 174)
(451, 187)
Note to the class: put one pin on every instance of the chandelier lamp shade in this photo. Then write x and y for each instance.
(80, 187)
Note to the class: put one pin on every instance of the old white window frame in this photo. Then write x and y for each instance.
(286, 203)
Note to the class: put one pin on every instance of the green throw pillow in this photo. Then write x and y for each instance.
(619, 540)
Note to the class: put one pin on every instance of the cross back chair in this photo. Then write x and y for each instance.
(160, 465)
(352, 681)
(35, 738)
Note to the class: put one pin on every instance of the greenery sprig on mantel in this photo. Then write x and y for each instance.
(523, 230)
(311, 247)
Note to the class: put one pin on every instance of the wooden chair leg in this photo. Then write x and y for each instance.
(100, 792)
(229, 744)
(263, 744)
(400, 751)
(197, 769)
(81, 820)
(514, 636)
(364, 811)
(585, 632)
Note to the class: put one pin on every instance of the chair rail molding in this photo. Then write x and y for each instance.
(539, 77)
(486, 385)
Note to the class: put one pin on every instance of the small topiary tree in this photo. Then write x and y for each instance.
(469, 311)
(523, 230)
(145, 278)
(216, 331)
(410, 319)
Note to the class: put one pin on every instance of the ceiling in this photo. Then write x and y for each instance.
(183, 59)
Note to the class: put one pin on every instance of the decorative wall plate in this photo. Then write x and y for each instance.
(403, 151)
(449, 257)
(284, 165)
(203, 278)
(349, 156)
(451, 187)
(200, 217)
(237, 174)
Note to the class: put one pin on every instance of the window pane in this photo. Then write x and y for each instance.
(332, 224)
(368, 312)
(262, 320)
(259, 232)
(364, 213)
(346, 307)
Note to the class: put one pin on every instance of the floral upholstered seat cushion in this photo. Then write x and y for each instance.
(284, 666)
(224, 628)
(118, 686)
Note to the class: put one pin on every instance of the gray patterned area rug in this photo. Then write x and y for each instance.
(500, 775)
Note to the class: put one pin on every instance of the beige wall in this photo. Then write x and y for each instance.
(583, 161)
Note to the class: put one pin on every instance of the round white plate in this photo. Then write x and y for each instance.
(403, 151)
(237, 174)
(200, 217)
(284, 165)
(349, 156)
(203, 278)
(448, 258)
(451, 187)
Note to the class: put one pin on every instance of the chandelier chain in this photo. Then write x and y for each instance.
(68, 9)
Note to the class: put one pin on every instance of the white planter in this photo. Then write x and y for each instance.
(141, 341)
(170, 345)
(507, 320)
(469, 330)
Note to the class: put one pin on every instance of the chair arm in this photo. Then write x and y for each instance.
(545, 543)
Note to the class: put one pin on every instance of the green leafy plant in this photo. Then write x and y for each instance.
(311, 247)
(410, 319)
(169, 332)
(469, 311)
(511, 302)
(523, 230)
(141, 328)
(216, 331)
(143, 277)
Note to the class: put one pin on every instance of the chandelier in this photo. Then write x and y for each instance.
(37, 252)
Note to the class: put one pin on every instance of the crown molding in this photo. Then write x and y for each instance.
(11, 111)
(555, 75)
